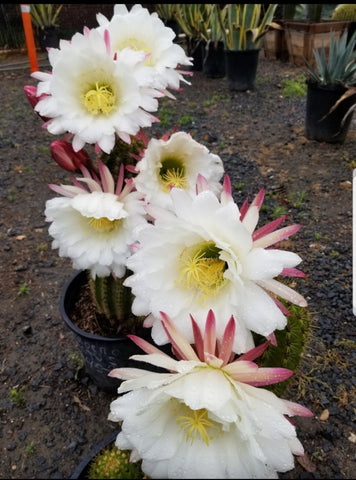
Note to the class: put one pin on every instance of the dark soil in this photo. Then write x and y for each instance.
(51, 412)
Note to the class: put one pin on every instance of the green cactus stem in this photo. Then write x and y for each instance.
(345, 12)
(292, 342)
(123, 153)
(113, 300)
(114, 463)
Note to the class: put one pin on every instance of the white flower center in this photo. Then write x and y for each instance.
(172, 174)
(100, 99)
(195, 423)
(202, 269)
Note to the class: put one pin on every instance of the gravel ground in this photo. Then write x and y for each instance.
(51, 413)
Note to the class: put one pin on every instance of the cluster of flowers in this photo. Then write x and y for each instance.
(198, 268)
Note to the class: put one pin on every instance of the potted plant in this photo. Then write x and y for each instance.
(44, 17)
(159, 418)
(190, 17)
(105, 460)
(310, 30)
(154, 223)
(212, 34)
(331, 92)
(244, 26)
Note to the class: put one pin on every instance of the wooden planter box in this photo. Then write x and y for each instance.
(275, 44)
(303, 36)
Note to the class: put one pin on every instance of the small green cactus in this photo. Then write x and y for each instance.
(344, 12)
(114, 301)
(114, 463)
(292, 342)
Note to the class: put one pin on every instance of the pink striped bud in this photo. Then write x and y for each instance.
(31, 94)
(64, 154)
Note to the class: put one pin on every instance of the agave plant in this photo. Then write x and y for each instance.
(190, 17)
(211, 29)
(337, 68)
(166, 11)
(45, 14)
(242, 25)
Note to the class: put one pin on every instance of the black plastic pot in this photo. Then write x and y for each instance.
(48, 38)
(321, 125)
(101, 354)
(196, 50)
(241, 69)
(214, 60)
(82, 470)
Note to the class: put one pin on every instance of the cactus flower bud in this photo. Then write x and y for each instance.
(63, 153)
(31, 94)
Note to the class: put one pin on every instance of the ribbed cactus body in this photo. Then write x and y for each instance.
(114, 300)
(345, 12)
(291, 342)
(114, 463)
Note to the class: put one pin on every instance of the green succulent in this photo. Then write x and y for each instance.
(114, 463)
(210, 25)
(113, 300)
(165, 11)
(45, 14)
(244, 25)
(292, 341)
(339, 66)
(344, 12)
(190, 18)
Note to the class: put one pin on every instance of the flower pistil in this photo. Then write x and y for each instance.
(201, 268)
(103, 224)
(100, 99)
(172, 174)
(195, 423)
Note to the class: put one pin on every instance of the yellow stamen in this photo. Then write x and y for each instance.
(100, 99)
(195, 424)
(103, 224)
(202, 269)
(172, 174)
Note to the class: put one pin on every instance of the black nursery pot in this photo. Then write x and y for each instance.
(100, 354)
(241, 69)
(196, 50)
(214, 60)
(320, 99)
(48, 38)
(82, 470)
